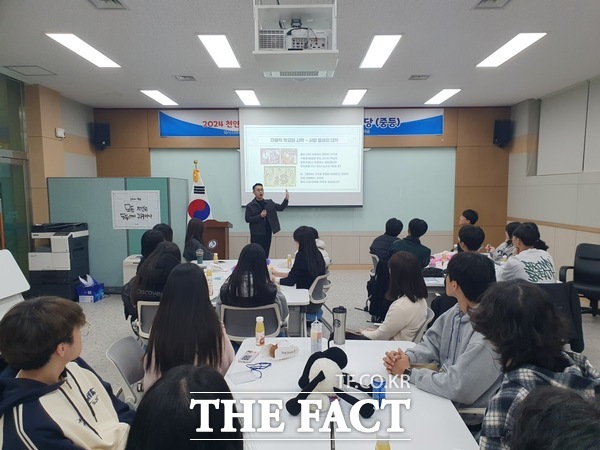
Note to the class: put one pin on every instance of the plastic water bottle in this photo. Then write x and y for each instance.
(260, 331)
(289, 261)
(215, 257)
(504, 259)
(316, 335)
(209, 280)
(383, 441)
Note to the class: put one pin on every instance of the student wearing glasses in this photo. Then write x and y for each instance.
(49, 397)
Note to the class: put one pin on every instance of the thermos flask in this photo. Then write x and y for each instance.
(339, 325)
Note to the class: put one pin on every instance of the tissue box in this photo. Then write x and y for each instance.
(90, 294)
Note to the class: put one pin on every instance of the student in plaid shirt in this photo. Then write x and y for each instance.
(527, 331)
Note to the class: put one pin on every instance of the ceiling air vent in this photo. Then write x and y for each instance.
(300, 74)
(184, 77)
(418, 77)
(491, 4)
(108, 4)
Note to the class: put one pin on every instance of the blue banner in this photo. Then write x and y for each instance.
(404, 122)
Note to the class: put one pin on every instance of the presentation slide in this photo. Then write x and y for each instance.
(320, 165)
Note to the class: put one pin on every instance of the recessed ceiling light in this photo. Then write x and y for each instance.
(248, 97)
(354, 96)
(516, 45)
(379, 51)
(220, 51)
(442, 96)
(83, 49)
(158, 97)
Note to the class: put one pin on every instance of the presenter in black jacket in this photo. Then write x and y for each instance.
(261, 214)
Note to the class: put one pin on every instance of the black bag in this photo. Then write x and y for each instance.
(433, 272)
(379, 305)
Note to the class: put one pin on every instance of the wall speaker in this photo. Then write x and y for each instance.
(502, 133)
(101, 135)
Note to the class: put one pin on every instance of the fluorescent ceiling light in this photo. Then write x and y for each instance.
(379, 51)
(516, 45)
(354, 96)
(83, 49)
(442, 96)
(248, 96)
(158, 96)
(220, 51)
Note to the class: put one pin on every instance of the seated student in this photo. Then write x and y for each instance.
(408, 294)
(381, 244)
(321, 246)
(468, 217)
(166, 419)
(49, 397)
(469, 373)
(308, 265)
(150, 239)
(530, 260)
(150, 280)
(412, 244)
(518, 319)
(507, 247)
(166, 230)
(194, 240)
(186, 329)
(249, 284)
(553, 418)
(470, 238)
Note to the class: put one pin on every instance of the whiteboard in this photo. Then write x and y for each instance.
(135, 209)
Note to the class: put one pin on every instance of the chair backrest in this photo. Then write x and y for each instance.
(428, 319)
(146, 314)
(375, 260)
(587, 264)
(318, 290)
(564, 296)
(240, 323)
(127, 355)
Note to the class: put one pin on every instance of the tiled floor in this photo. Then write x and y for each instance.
(348, 289)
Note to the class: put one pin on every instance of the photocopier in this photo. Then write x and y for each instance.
(60, 255)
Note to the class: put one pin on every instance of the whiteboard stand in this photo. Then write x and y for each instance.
(12, 282)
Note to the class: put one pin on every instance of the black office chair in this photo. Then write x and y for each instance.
(564, 296)
(586, 274)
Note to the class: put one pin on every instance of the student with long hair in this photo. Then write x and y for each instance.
(507, 247)
(308, 265)
(408, 294)
(150, 280)
(166, 230)
(249, 284)
(530, 260)
(150, 239)
(186, 329)
(165, 418)
(194, 239)
(518, 319)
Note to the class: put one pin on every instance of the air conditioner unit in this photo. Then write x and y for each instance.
(299, 74)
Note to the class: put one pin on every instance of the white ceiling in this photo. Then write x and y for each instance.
(156, 39)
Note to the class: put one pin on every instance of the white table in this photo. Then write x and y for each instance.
(12, 282)
(431, 423)
(296, 298)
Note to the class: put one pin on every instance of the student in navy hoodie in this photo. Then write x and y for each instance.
(49, 397)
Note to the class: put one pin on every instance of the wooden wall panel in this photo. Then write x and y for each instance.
(128, 127)
(476, 125)
(481, 166)
(448, 139)
(123, 162)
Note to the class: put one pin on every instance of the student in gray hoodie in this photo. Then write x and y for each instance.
(468, 367)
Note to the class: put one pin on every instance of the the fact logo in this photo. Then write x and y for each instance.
(270, 420)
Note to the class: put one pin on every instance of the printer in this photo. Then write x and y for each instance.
(60, 255)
